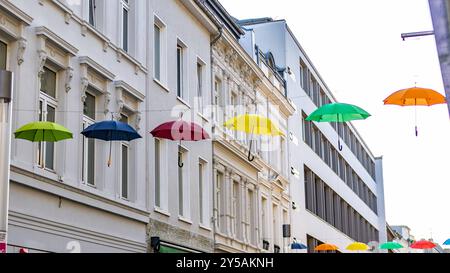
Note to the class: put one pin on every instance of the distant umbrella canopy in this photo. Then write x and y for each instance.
(423, 244)
(43, 132)
(326, 247)
(253, 124)
(447, 242)
(415, 96)
(357, 246)
(391, 245)
(298, 246)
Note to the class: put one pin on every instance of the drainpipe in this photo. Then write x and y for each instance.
(6, 91)
(213, 42)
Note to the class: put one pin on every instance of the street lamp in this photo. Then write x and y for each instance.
(6, 90)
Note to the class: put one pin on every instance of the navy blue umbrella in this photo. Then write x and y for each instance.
(298, 246)
(111, 130)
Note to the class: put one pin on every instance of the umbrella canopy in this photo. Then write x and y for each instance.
(415, 96)
(298, 246)
(338, 112)
(423, 244)
(391, 245)
(357, 246)
(111, 130)
(326, 247)
(253, 124)
(180, 130)
(447, 243)
(43, 131)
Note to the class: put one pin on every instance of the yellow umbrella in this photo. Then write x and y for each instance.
(357, 246)
(255, 125)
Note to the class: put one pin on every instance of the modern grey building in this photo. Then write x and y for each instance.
(339, 195)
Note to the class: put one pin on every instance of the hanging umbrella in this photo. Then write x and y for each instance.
(447, 243)
(338, 112)
(423, 244)
(180, 130)
(357, 246)
(111, 130)
(254, 125)
(298, 246)
(326, 247)
(43, 131)
(391, 245)
(415, 96)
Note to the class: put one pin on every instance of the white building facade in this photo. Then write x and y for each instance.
(77, 62)
(251, 197)
(339, 195)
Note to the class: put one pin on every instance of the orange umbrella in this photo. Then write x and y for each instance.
(325, 247)
(415, 96)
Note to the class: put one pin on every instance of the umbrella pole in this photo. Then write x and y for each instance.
(251, 157)
(110, 158)
(180, 162)
(415, 118)
(339, 138)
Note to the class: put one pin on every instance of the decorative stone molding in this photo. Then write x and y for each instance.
(42, 59)
(84, 86)
(107, 102)
(69, 77)
(22, 45)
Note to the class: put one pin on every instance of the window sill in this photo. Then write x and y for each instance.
(203, 116)
(158, 82)
(204, 227)
(185, 220)
(183, 102)
(161, 211)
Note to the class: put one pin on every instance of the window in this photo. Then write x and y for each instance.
(157, 172)
(304, 81)
(201, 190)
(275, 224)
(200, 86)
(234, 111)
(88, 166)
(217, 100)
(220, 197)
(251, 217)
(47, 112)
(180, 185)
(236, 209)
(264, 221)
(157, 51)
(125, 24)
(125, 150)
(92, 12)
(3, 55)
(180, 71)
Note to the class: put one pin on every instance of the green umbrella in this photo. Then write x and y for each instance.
(338, 112)
(43, 131)
(391, 245)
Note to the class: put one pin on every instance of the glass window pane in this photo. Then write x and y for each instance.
(123, 118)
(125, 29)
(200, 190)
(157, 49)
(124, 171)
(179, 72)
(92, 8)
(89, 106)
(48, 82)
(180, 186)
(157, 173)
(3, 54)
(91, 162)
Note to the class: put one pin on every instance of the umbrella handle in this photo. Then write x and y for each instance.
(340, 145)
(417, 132)
(180, 163)
(110, 158)
(250, 157)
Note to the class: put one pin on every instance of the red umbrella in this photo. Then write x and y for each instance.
(423, 244)
(180, 130)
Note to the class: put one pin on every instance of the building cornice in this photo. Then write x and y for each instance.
(16, 12)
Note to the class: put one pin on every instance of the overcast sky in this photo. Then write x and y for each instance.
(356, 47)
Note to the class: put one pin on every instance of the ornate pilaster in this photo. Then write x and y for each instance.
(22, 45)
